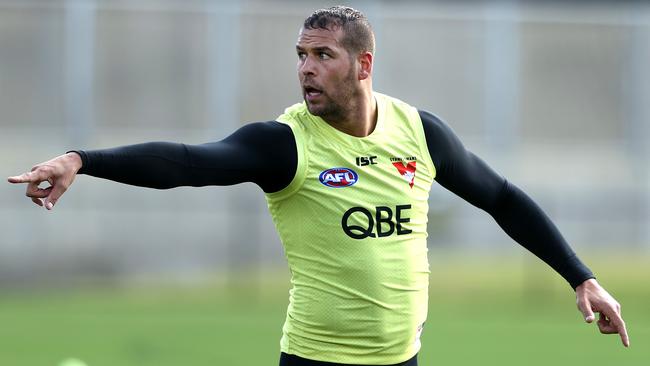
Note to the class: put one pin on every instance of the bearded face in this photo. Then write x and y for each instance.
(327, 74)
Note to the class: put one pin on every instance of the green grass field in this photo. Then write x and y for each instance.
(517, 313)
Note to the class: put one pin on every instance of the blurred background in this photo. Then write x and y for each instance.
(554, 95)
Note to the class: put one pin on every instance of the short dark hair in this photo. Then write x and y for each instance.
(357, 32)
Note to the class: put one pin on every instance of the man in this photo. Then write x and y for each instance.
(347, 175)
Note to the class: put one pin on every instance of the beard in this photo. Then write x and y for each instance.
(337, 104)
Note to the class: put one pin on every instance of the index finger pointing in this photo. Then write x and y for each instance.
(23, 178)
(623, 332)
(619, 324)
(37, 175)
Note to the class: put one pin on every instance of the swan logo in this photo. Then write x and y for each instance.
(407, 171)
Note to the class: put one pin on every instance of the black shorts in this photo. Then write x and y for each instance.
(293, 360)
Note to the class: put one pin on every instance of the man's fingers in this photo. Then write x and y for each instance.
(56, 193)
(34, 191)
(612, 324)
(23, 178)
(624, 337)
(37, 175)
(585, 308)
(619, 325)
(605, 325)
(37, 201)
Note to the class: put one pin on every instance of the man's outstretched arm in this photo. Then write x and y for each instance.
(263, 153)
(466, 175)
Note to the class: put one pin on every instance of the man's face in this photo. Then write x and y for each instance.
(327, 73)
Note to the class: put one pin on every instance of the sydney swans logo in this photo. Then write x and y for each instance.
(406, 168)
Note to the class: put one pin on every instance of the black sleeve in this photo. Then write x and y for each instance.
(469, 177)
(263, 153)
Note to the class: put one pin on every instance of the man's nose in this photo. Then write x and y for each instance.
(306, 67)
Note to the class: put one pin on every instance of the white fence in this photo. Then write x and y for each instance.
(556, 97)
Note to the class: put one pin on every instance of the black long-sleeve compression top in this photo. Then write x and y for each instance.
(258, 149)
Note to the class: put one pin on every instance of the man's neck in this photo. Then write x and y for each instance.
(362, 119)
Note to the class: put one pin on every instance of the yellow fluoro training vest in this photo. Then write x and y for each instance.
(353, 224)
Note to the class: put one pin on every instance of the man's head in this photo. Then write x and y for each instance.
(335, 53)
(357, 32)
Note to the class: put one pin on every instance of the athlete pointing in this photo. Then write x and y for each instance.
(352, 170)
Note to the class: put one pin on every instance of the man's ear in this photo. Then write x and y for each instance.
(365, 65)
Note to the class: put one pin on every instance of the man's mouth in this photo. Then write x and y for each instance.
(311, 92)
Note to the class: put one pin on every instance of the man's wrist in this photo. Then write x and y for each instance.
(74, 160)
(588, 283)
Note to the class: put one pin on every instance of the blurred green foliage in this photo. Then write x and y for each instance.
(482, 311)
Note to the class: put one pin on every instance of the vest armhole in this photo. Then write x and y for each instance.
(301, 168)
(422, 141)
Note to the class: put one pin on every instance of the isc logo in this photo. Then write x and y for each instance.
(338, 177)
(366, 160)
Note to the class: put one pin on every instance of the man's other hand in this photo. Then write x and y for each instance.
(591, 297)
(58, 172)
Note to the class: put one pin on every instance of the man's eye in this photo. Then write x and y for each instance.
(302, 55)
(323, 56)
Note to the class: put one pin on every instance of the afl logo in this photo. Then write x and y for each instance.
(338, 177)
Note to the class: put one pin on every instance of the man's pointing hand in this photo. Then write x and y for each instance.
(58, 172)
(591, 297)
